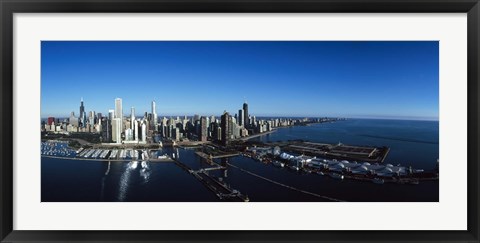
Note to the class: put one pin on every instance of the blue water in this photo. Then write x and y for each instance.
(412, 143)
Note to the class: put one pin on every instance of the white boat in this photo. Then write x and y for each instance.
(293, 167)
(277, 163)
(336, 176)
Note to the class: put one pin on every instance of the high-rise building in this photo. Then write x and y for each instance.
(91, 118)
(241, 118)
(176, 133)
(245, 115)
(132, 118)
(144, 133)
(203, 129)
(117, 130)
(135, 131)
(83, 116)
(51, 120)
(128, 134)
(119, 109)
(73, 120)
(196, 117)
(111, 114)
(226, 128)
(154, 116)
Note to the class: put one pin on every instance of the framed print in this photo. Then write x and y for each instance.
(239, 121)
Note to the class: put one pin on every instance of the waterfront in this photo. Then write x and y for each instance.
(412, 143)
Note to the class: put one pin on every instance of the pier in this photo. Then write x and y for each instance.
(222, 191)
(339, 151)
(210, 157)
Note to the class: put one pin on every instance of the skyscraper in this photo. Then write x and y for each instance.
(119, 109)
(132, 118)
(91, 118)
(135, 131)
(117, 130)
(111, 115)
(51, 120)
(73, 120)
(83, 116)
(245, 115)
(144, 133)
(106, 130)
(154, 116)
(226, 128)
(241, 118)
(203, 129)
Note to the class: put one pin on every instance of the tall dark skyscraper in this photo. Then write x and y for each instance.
(203, 129)
(106, 130)
(83, 115)
(226, 128)
(245, 114)
(241, 118)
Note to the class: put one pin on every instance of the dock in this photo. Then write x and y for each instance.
(339, 151)
(209, 157)
(222, 191)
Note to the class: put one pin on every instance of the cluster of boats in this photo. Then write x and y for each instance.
(56, 148)
(61, 149)
(114, 154)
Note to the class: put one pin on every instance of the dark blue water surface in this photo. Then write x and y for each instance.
(412, 143)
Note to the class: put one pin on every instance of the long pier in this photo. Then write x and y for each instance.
(221, 190)
(208, 157)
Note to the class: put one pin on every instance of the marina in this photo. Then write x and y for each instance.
(60, 149)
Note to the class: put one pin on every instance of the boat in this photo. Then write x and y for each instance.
(278, 163)
(293, 167)
(336, 176)
(320, 173)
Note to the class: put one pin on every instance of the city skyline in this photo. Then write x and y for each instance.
(279, 79)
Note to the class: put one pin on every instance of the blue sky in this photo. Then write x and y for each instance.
(277, 78)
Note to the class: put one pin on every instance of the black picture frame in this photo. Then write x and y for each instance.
(9, 7)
